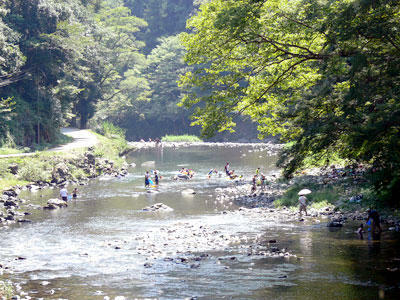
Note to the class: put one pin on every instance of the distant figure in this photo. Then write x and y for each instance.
(150, 140)
(262, 181)
(257, 171)
(146, 179)
(75, 193)
(254, 184)
(158, 141)
(156, 177)
(303, 204)
(227, 168)
(211, 172)
(374, 220)
(64, 193)
(360, 231)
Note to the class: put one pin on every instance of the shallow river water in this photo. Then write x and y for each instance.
(103, 244)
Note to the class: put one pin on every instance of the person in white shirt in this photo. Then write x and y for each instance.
(64, 193)
(303, 204)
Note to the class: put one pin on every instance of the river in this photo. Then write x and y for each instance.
(104, 245)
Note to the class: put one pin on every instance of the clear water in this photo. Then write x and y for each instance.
(101, 244)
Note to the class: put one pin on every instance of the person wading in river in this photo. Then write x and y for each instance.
(146, 179)
(303, 204)
(64, 193)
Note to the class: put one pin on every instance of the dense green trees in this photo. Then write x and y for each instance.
(75, 61)
(324, 74)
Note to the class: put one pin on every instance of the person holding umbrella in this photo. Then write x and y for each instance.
(303, 200)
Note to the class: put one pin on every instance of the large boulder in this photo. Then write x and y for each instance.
(90, 158)
(10, 193)
(60, 172)
(13, 168)
(55, 203)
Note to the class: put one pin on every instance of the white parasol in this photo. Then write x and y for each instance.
(304, 192)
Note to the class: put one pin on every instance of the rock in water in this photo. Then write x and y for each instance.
(334, 224)
(54, 203)
(188, 191)
(158, 207)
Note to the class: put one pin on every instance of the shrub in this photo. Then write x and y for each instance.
(34, 170)
(6, 290)
(181, 138)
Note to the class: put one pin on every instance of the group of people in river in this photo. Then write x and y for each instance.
(65, 196)
(259, 179)
(149, 182)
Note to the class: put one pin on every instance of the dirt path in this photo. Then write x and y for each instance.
(82, 138)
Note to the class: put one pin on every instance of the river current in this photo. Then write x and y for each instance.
(105, 245)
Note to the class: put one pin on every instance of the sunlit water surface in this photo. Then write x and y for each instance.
(103, 244)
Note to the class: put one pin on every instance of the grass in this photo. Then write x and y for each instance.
(6, 290)
(180, 138)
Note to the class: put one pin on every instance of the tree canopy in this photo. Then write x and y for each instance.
(324, 74)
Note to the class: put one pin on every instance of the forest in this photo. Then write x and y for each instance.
(83, 62)
(323, 76)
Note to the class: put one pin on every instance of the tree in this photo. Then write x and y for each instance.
(323, 74)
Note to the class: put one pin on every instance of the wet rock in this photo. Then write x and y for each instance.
(56, 202)
(10, 193)
(272, 241)
(334, 224)
(147, 265)
(10, 203)
(24, 221)
(158, 207)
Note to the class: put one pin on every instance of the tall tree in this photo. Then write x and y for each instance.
(321, 73)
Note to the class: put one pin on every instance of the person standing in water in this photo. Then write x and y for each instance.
(374, 219)
(75, 193)
(64, 193)
(227, 168)
(156, 177)
(303, 204)
(146, 179)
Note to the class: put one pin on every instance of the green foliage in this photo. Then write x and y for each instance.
(34, 170)
(6, 290)
(324, 74)
(111, 131)
(181, 138)
(320, 196)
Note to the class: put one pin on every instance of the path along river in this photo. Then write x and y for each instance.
(103, 244)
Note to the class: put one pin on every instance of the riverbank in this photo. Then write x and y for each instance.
(270, 147)
(54, 169)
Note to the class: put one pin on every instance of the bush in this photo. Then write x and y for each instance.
(34, 170)
(109, 130)
(181, 138)
(6, 290)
